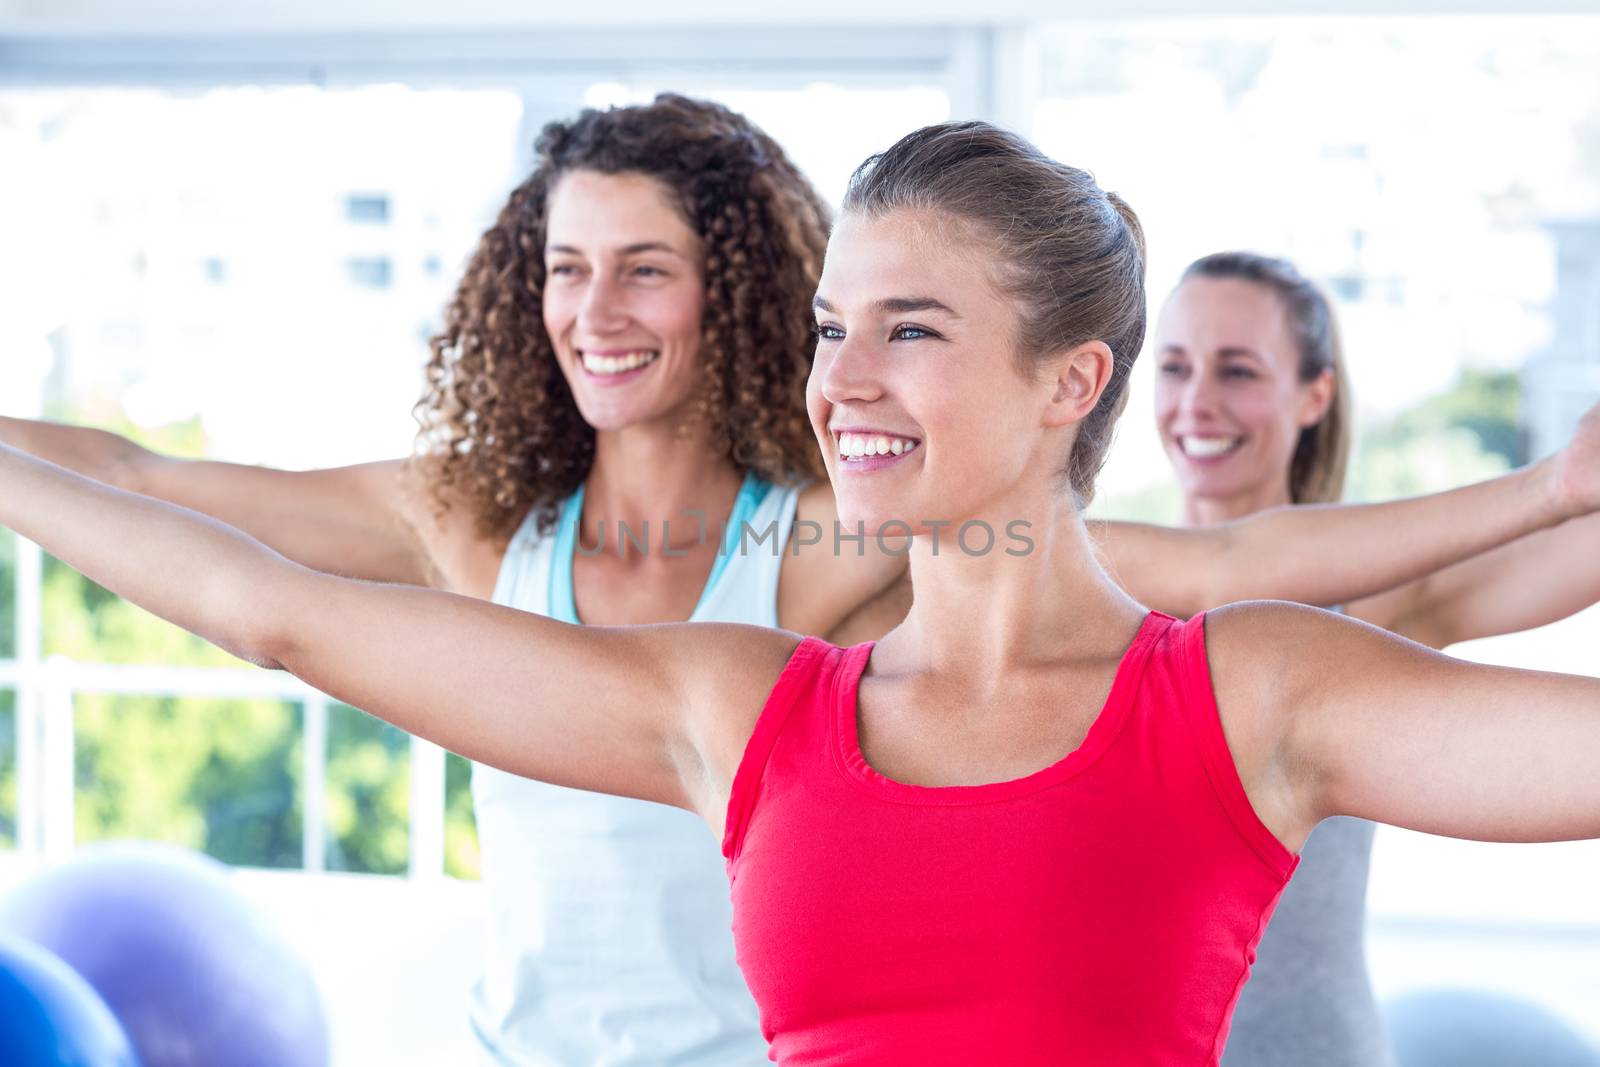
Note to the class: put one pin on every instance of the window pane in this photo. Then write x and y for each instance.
(368, 799)
(370, 208)
(221, 776)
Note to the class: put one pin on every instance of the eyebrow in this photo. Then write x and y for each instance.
(895, 305)
(626, 250)
(1228, 350)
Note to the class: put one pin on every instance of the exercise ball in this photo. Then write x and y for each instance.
(193, 972)
(51, 1017)
(1470, 1028)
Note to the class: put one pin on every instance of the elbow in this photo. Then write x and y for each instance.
(1212, 584)
(258, 642)
(130, 467)
(267, 632)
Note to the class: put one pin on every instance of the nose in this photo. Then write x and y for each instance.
(603, 309)
(850, 371)
(1198, 397)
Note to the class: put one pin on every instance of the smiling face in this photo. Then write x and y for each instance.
(1230, 405)
(624, 297)
(915, 393)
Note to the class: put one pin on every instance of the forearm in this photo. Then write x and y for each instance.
(1532, 582)
(197, 573)
(98, 454)
(1332, 554)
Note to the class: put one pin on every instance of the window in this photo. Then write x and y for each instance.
(369, 272)
(367, 208)
(138, 348)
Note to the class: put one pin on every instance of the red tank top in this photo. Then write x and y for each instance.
(1102, 911)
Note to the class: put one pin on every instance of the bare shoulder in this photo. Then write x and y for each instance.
(733, 669)
(1276, 648)
(1271, 663)
(444, 525)
(1269, 659)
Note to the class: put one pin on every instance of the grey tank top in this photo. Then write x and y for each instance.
(1308, 1001)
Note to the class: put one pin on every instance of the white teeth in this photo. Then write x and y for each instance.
(858, 446)
(596, 364)
(1207, 447)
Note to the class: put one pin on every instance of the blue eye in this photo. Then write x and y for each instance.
(1174, 370)
(653, 271)
(827, 332)
(1238, 372)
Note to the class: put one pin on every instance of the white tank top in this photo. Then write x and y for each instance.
(610, 941)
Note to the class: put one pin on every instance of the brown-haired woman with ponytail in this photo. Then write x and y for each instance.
(1253, 405)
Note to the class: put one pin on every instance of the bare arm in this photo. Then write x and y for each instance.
(1330, 554)
(1330, 716)
(1532, 582)
(349, 520)
(637, 711)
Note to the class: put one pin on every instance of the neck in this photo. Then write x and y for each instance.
(657, 475)
(1214, 510)
(978, 616)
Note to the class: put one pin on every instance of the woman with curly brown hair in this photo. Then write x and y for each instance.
(630, 345)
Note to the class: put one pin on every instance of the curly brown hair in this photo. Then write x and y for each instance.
(500, 432)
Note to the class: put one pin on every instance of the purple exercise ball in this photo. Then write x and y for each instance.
(194, 973)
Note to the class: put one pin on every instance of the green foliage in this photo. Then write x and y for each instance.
(8, 594)
(1159, 503)
(460, 824)
(8, 769)
(369, 793)
(221, 776)
(1461, 436)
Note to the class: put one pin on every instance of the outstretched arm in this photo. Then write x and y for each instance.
(1330, 716)
(351, 520)
(1535, 581)
(1328, 554)
(629, 710)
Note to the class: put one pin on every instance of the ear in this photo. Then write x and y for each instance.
(1079, 377)
(1316, 397)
